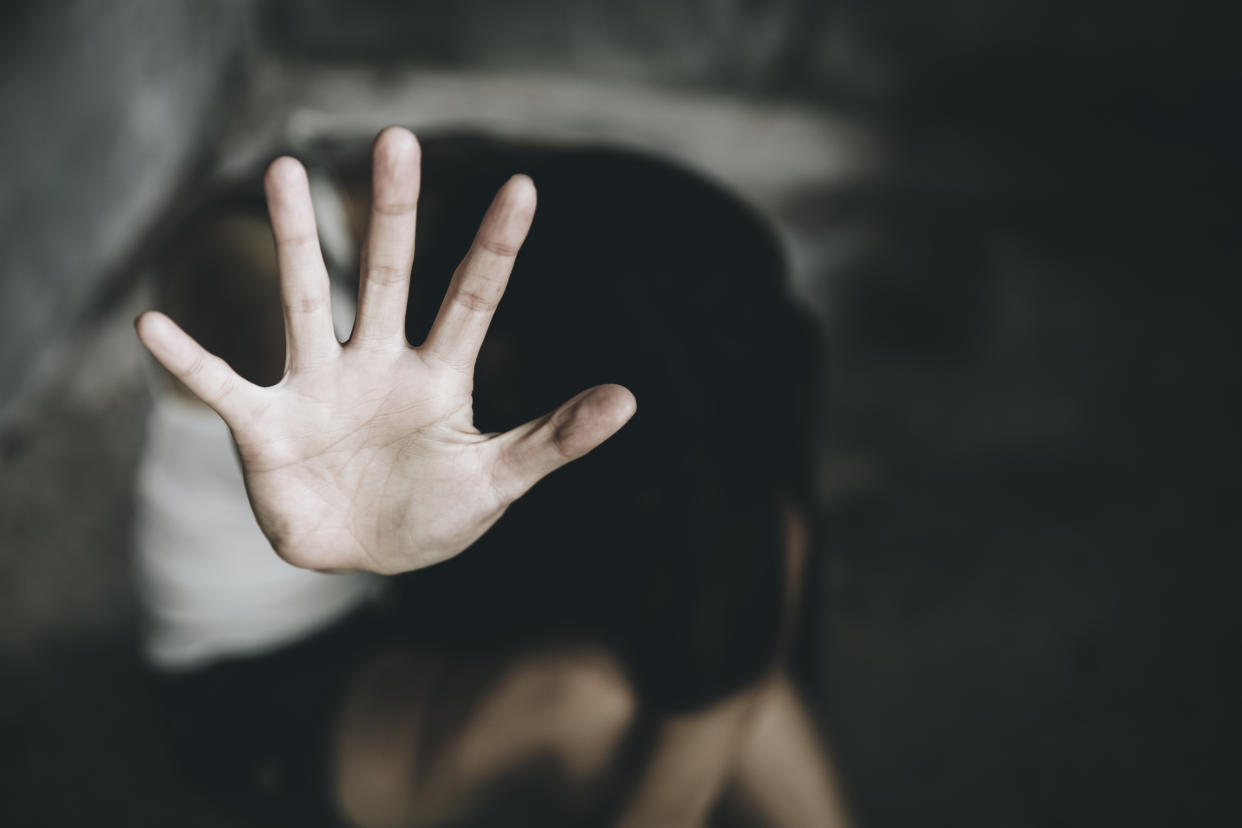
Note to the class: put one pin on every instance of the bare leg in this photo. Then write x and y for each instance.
(696, 754)
(689, 767)
(567, 709)
(782, 777)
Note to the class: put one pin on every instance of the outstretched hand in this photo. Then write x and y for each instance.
(365, 455)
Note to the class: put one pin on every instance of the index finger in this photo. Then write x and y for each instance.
(310, 338)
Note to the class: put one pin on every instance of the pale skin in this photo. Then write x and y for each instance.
(365, 454)
(757, 745)
(573, 708)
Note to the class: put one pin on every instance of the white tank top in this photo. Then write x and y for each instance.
(210, 585)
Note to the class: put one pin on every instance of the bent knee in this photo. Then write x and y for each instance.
(587, 705)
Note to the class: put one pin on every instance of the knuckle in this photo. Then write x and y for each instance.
(195, 367)
(476, 300)
(394, 208)
(225, 387)
(305, 304)
(297, 239)
(562, 439)
(503, 248)
(387, 274)
(565, 428)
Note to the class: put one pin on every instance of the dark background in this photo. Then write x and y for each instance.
(1029, 486)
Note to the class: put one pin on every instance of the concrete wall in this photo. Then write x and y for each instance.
(105, 105)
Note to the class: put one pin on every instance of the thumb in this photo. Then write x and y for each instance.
(531, 451)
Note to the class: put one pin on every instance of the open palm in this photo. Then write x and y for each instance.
(365, 455)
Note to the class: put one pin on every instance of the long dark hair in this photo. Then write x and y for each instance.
(667, 541)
